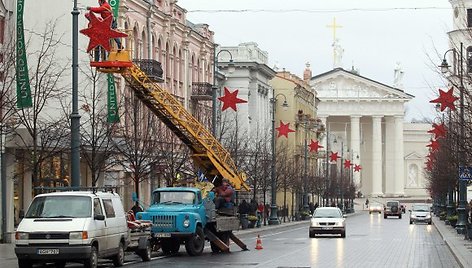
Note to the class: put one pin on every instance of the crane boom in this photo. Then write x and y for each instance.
(208, 153)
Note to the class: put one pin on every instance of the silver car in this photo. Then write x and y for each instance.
(420, 213)
(328, 220)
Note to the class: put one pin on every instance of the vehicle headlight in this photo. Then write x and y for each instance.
(313, 223)
(339, 223)
(428, 216)
(21, 236)
(78, 235)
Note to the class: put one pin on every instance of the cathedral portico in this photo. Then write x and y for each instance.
(368, 117)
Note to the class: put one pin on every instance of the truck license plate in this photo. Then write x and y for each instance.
(49, 251)
(162, 234)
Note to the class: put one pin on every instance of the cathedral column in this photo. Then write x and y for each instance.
(377, 156)
(399, 162)
(390, 144)
(356, 145)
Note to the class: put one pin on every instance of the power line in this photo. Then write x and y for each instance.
(313, 10)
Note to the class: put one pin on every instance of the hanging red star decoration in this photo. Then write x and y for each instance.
(429, 165)
(434, 145)
(333, 157)
(438, 131)
(446, 99)
(347, 163)
(314, 146)
(230, 99)
(284, 129)
(357, 168)
(100, 32)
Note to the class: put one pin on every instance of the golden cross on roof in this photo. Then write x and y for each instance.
(334, 26)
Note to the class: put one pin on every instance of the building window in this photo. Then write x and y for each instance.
(2, 29)
(469, 17)
(469, 59)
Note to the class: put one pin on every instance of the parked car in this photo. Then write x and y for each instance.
(375, 207)
(327, 220)
(420, 213)
(78, 226)
(392, 208)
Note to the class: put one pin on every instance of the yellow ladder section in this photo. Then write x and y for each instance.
(208, 153)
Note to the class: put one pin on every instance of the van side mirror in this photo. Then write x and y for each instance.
(21, 214)
(99, 217)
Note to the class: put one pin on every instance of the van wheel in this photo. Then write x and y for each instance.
(60, 264)
(195, 244)
(145, 254)
(170, 246)
(25, 263)
(92, 261)
(119, 258)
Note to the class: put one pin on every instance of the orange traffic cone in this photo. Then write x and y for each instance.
(259, 243)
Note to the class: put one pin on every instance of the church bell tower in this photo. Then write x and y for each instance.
(461, 33)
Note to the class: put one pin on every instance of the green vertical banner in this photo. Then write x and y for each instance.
(113, 116)
(23, 90)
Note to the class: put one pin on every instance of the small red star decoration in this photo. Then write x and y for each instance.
(434, 145)
(314, 146)
(100, 32)
(347, 163)
(230, 99)
(284, 129)
(438, 131)
(446, 99)
(357, 168)
(333, 157)
(429, 165)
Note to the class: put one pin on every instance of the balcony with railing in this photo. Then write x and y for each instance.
(201, 91)
(152, 68)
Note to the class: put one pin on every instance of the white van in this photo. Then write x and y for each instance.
(75, 226)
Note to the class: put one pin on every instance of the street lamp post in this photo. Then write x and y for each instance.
(461, 210)
(273, 220)
(214, 88)
(327, 165)
(308, 124)
(75, 117)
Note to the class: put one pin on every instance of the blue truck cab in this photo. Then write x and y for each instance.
(181, 215)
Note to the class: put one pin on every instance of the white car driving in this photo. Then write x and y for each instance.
(327, 220)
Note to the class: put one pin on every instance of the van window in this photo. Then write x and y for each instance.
(60, 207)
(97, 207)
(110, 212)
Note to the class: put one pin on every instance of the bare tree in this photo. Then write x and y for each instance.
(46, 132)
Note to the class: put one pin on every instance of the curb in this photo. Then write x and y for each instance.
(461, 260)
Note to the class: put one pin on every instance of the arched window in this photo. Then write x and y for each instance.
(136, 43)
(144, 41)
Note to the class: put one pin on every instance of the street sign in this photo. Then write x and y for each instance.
(465, 173)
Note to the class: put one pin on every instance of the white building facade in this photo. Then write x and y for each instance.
(368, 117)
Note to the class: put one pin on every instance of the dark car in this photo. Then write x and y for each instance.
(392, 208)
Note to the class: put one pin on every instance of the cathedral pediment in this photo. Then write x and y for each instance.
(340, 84)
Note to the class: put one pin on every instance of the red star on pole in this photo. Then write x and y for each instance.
(429, 165)
(314, 146)
(347, 163)
(333, 157)
(284, 129)
(357, 168)
(434, 145)
(438, 131)
(100, 32)
(230, 99)
(446, 99)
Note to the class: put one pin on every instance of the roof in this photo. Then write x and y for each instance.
(361, 77)
(79, 193)
(177, 189)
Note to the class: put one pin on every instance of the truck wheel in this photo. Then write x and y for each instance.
(145, 254)
(25, 263)
(170, 246)
(400, 216)
(119, 258)
(92, 261)
(195, 244)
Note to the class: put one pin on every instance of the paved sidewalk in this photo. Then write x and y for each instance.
(459, 246)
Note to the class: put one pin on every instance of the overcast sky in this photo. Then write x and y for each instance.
(375, 34)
